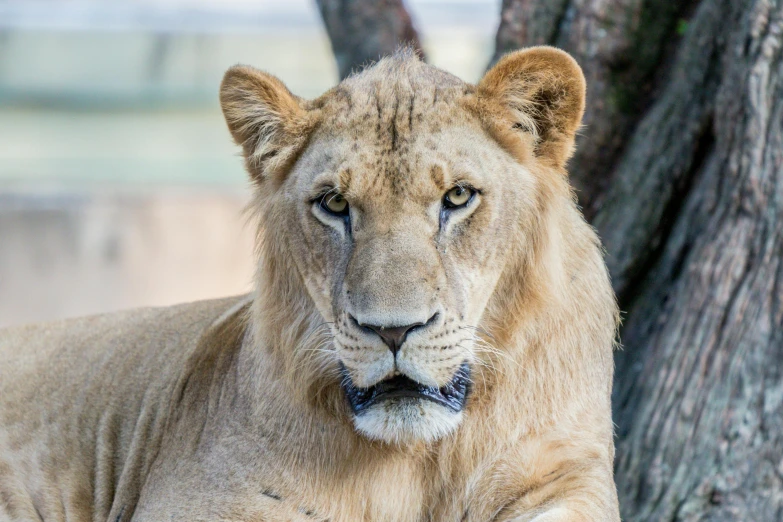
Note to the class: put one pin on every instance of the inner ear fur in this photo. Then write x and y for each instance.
(264, 118)
(540, 91)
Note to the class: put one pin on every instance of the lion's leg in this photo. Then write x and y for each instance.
(583, 495)
(563, 513)
(558, 514)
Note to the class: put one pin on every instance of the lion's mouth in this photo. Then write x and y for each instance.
(452, 396)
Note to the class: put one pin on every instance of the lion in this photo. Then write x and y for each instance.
(430, 337)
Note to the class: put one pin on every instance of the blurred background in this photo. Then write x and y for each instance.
(120, 187)
(119, 183)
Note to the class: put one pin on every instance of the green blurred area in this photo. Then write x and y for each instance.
(97, 107)
(116, 147)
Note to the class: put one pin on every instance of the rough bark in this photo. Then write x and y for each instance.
(362, 31)
(681, 166)
(699, 400)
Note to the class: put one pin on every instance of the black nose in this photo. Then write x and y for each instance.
(394, 336)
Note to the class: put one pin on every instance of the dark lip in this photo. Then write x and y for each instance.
(452, 396)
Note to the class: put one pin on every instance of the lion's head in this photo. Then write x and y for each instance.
(413, 208)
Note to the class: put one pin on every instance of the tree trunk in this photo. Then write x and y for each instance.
(680, 166)
(362, 31)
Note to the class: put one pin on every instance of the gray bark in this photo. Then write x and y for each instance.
(362, 31)
(699, 396)
(681, 167)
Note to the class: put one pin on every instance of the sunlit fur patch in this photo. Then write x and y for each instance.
(407, 420)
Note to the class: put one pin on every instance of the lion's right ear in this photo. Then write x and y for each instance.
(264, 118)
(542, 93)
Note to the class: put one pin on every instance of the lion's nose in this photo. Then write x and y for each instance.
(394, 336)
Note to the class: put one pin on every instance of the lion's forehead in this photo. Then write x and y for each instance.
(402, 129)
(392, 114)
(391, 142)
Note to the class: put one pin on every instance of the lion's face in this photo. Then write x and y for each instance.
(401, 248)
(401, 213)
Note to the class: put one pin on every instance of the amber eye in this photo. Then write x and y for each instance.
(334, 203)
(457, 197)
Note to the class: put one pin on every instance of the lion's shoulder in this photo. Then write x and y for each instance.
(100, 359)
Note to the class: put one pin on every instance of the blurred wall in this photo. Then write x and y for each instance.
(75, 253)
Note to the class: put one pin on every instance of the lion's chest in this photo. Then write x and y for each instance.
(393, 491)
(390, 492)
(264, 487)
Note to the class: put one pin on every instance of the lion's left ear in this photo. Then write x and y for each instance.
(542, 90)
(264, 118)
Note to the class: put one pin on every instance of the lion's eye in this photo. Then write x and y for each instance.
(458, 197)
(334, 203)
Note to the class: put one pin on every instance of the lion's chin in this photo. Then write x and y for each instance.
(401, 410)
(407, 420)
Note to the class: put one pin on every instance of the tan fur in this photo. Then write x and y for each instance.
(232, 409)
